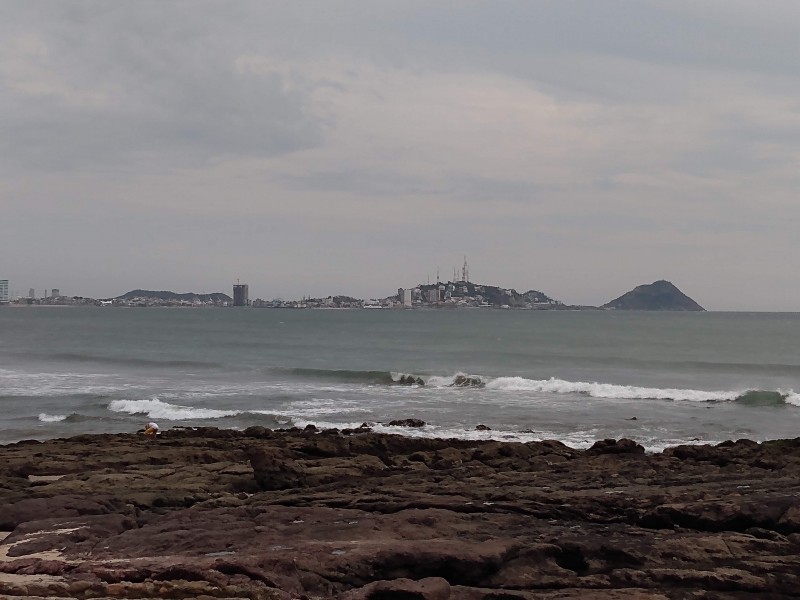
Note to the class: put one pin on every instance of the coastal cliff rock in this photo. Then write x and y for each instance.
(203, 513)
(660, 295)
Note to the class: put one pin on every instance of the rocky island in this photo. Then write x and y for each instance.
(210, 513)
(659, 295)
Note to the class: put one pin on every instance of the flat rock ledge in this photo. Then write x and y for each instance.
(306, 514)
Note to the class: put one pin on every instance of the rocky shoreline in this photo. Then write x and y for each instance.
(211, 513)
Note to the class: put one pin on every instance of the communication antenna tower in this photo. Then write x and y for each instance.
(465, 270)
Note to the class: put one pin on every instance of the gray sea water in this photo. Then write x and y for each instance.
(659, 378)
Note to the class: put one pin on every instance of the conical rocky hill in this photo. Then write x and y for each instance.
(660, 295)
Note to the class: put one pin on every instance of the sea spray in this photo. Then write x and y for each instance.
(607, 390)
(156, 409)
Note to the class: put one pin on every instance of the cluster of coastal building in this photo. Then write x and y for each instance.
(451, 294)
(459, 294)
(52, 297)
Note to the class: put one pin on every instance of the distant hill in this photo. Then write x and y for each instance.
(660, 295)
(494, 295)
(173, 297)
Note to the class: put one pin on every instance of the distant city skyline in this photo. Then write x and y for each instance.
(577, 148)
(459, 289)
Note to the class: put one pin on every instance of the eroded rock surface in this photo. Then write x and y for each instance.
(203, 513)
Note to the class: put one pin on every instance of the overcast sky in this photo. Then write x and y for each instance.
(352, 147)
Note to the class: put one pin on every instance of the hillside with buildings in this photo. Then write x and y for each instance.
(468, 294)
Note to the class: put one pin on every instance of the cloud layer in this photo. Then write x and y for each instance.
(353, 147)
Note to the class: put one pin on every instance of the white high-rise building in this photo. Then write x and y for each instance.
(404, 296)
(3, 291)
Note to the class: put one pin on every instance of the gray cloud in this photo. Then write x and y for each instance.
(579, 148)
(101, 86)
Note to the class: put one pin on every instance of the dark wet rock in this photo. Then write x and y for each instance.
(274, 470)
(622, 446)
(407, 423)
(766, 534)
(62, 506)
(357, 430)
(467, 381)
(410, 380)
(352, 514)
(257, 431)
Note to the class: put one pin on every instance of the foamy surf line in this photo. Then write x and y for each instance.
(629, 392)
(580, 440)
(45, 418)
(608, 391)
(156, 409)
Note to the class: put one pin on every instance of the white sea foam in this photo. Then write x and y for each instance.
(577, 439)
(581, 439)
(156, 409)
(607, 390)
(593, 389)
(791, 397)
(316, 407)
(45, 418)
(439, 381)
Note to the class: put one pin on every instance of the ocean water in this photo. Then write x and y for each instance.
(659, 378)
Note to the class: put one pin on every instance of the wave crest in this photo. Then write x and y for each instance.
(156, 409)
(554, 385)
(630, 392)
(608, 390)
(45, 418)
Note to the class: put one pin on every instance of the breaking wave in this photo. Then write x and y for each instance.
(372, 377)
(629, 392)
(45, 418)
(70, 418)
(156, 409)
(553, 385)
(764, 398)
(607, 390)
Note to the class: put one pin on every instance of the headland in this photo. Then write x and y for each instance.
(658, 296)
(212, 513)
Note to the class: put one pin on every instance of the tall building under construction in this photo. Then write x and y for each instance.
(241, 294)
